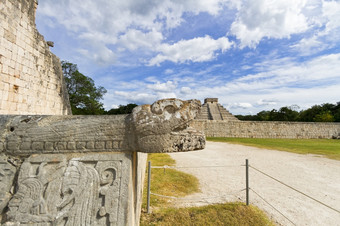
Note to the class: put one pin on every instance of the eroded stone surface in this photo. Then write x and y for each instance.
(163, 126)
(31, 80)
(89, 189)
(78, 170)
(7, 173)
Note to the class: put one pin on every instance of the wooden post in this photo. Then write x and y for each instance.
(247, 183)
(149, 186)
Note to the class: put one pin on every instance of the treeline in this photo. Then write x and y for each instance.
(122, 109)
(318, 113)
(85, 97)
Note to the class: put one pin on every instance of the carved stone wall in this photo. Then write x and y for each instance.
(72, 189)
(31, 79)
(86, 170)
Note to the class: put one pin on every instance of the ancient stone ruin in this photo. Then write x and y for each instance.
(215, 121)
(59, 169)
(31, 80)
(86, 170)
(212, 110)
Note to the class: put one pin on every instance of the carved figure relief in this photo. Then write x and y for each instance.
(7, 173)
(109, 173)
(57, 191)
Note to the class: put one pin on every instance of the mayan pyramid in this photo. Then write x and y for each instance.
(212, 110)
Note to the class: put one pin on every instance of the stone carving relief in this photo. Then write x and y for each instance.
(58, 190)
(7, 173)
(164, 126)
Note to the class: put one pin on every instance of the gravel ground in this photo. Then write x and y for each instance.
(313, 175)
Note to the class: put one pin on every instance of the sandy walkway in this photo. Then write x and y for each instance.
(316, 176)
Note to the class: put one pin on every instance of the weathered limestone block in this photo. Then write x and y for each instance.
(25, 135)
(31, 77)
(85, 170)
(7, 173)
(161, 127)
(164, 126)
(72, 189)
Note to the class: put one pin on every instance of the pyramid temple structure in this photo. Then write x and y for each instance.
(212, 110)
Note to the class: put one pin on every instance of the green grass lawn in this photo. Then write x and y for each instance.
(231, 214)
(176, 183)
(169, 182)
(326, 147)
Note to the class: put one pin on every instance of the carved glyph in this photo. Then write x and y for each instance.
(67, 190)
(7, 173)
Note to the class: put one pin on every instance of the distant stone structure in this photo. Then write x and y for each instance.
(31, 78)
(267, 129)
(212, 110)
(216, 121)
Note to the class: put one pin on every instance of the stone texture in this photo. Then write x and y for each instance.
(7, 173)
(255, 129)
(88, 189)
(31, 78)
(23, 135)
(63, 181)
(212, 110)
(163, 126)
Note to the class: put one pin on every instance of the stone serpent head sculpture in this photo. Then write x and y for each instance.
(164, 126)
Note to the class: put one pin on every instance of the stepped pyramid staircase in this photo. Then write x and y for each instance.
(212, 110)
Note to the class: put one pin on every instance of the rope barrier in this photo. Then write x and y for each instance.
(272, 206)
(295, 190)
(187, 167)
(196, 199)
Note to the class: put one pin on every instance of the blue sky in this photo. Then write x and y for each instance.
(251, 54)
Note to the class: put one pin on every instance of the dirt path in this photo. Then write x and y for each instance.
(316, 176)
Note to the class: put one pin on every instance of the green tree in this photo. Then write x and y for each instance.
(309, 114)
(122, 109)
(325, 116)
(263, 115)
(336, 112)
(84, 95)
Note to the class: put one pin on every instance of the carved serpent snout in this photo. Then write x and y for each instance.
(163, 126)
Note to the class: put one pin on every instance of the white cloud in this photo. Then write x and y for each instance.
(114, 106)
(326, 18)
(308, 46)
(282, 83)
(168, 71)
(262, 102)
(258, 19)
(331, 11)
(144, 25)
(240, 105)
(279, 83)
(126, 24)
(134, 39)
(196, 50)
(186, 90)
(136, 97)
(166, 87)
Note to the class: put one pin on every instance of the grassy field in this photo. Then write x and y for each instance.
(179, 184)
(233, 214)
(170, 182)
(325, 147)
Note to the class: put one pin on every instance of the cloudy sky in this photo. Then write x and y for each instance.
(251, 54)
